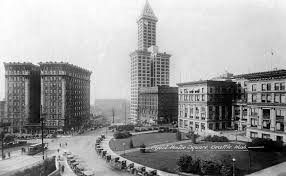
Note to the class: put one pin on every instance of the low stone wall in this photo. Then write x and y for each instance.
(55, 173)
(100, 148)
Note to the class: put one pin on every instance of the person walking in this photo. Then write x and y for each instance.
(63, 168)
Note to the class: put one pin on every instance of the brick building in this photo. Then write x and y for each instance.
(158, 104)
(265, 104)
(22, 95)
(205, 105)
(65, 96)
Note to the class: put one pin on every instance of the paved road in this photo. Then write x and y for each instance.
(83, 146)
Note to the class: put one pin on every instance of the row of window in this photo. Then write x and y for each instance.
(267, 98)
(269, 86)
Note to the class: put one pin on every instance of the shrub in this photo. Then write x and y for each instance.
(142, 148)
(125, 127)
(121, 135)
(226, 170)
(131, 144)
(193, 136)
(216, 138)
(268, 144)
(209, 167)
(195, 166)
(187, 164)
(45, 168)
(179, 135)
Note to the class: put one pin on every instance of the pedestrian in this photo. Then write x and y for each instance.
(58, 150)
(60, 145)
(63, 168)
(66, 144)
(8, 154)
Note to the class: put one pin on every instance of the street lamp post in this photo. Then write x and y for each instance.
(233, 166)
(42, 128)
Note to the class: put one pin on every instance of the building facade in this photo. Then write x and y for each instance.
(65, 96)
(158, 105)
(22, 95)
(266, 104)
(205, 105)
(2, 110)
(149, 67)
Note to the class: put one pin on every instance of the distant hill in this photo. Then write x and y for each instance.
(105, 106)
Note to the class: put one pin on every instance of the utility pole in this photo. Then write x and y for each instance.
(113, 115)
(42, 128)
(125, 111)
(2, 143)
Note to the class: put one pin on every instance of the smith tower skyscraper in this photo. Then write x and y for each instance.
(146, 28)
(149, 67)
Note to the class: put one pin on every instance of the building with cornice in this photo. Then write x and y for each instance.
(65, 96)
(261, 104)
(22, 95)
(205, 105)
(149, 67)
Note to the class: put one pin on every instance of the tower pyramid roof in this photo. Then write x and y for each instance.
(147, 12)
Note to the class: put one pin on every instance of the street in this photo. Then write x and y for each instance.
(82, 145)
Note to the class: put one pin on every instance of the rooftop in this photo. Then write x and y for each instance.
(203, 82)
(259, 75)
(63, 63)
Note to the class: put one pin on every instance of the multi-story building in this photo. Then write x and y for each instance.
(22, 95)
(65, 96)
(205, 105)
(158, 104)
(149, 67)
(239, 103)
(2, 110)
(266, 104)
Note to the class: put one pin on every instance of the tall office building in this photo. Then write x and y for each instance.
(149, 67)
(22, 95)
(65, 96)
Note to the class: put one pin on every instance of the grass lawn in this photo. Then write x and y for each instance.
(166, 160)
(148, 139)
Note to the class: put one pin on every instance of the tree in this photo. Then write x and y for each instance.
(9, 138)
(131, 144)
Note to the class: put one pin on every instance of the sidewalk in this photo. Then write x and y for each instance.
(67, 170)
(276, 170)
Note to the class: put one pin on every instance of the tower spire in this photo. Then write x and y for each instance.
(147, 12)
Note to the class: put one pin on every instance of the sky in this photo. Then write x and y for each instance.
(204, 37)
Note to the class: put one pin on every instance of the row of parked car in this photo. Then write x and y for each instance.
(161, 129)
(35, 136)
(121, 163)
